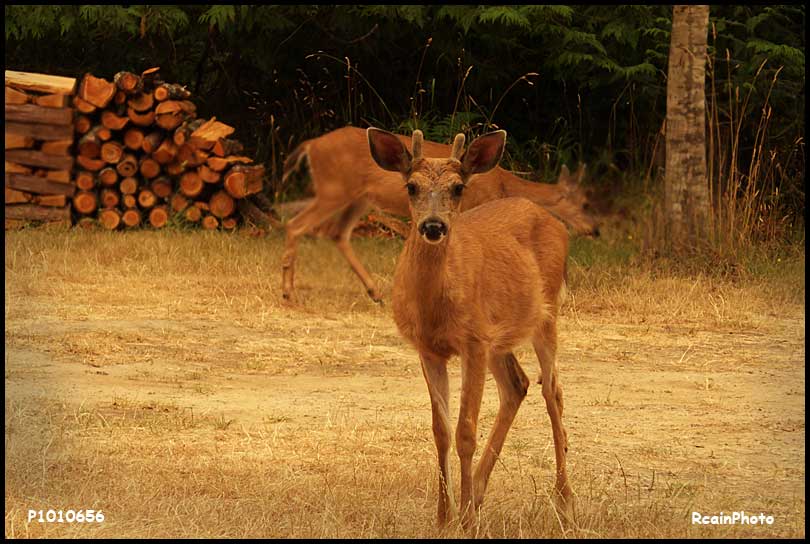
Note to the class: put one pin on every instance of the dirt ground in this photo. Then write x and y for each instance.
(206, 408)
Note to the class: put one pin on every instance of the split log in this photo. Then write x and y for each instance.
(184, 131)
(141, 119)
(13, 96)
(128, 165)
(89, 145)
(18, 141)
(13, 196)
(94, 165)
(142, 102)
(224, 147)
(209, 133)
(152, 141)
(159, 216)
(175, 168)
(149, 167)
(82, 105)
(220, 163)
(112, 152)
(33, 212)
(176, 106)
(81, 124)
(85, 202)
(59, 176)
(57, 201)
(146, 198)
(39, 131)
(169, 121)
(162, 187)
(241, 181)
(110, 198)
(85, 181)
(170, 90)
(190, 184)
(41, 83)
(14, 168)
(165, 152)
(57, 147)
(133, 138)
(192, 214)
(31, 113)
(52, 100)
(178, 202)
(128, 186)
(35, 184)
(208, 175)
(96, 90)
(109, 218)
(221, 204)
(38, 158)
(104, 134)
(112, 121)
(131, 218)
(209, 222)
(128, 82)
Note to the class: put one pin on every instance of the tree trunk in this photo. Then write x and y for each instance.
(686, 191)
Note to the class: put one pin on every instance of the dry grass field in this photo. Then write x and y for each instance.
(157, 377)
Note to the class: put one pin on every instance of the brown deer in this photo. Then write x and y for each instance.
(476, 284)
(346, 182)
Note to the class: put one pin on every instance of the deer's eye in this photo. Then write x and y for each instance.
(458, 189)
(411, 188)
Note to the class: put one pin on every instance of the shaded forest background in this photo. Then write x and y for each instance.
(569, 83)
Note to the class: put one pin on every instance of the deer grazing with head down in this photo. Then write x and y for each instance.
(346, 182)
(476, 284)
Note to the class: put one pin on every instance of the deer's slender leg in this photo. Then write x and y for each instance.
(435, 372)
(473, 373)
(348, 220)
(545, 346)
(512, 385)
(315, 213)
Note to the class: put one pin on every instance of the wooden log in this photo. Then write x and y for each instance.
(85, 180)
(41, 83)
(31, 113)
(224, 147)
(50, 200)
(39, 131)
(209, 222)
(81, 125)
(208, 175)
(184, 131)
(141, 102)
(128, 186)
(190, 184)
(202, 205)
(178, 202)
(98, 91)
(109, 218)
(143, 119)
(229, 223)
(104, 134)
(149, 76)
(241, 181)
(133, 138)
(209, 132)
(151, 141)
(192, 214)
(56, 147)
(13, 96)
(38, 158)
(128, 165)
(83, 106)
(112, 121)
(159, 216)
(89, 145)
(149, 167)
(170, 121)
(108, 176)
(110, 198)
(221, 204)
(85, 202)
(175, 168)
(94, 165)
(128, 82)
(52, 100)
(111, 152)
(131, 218)
(220, 163)
(18, 141)
(86, 223)
(32, 212)
(250, 211)
(129, 201)
(146, 198)
(175, 106)
(173, 91)
(59, 176)
(165, 152)
(13, 196)
(162, 187)
(14, 168)
(120, 98)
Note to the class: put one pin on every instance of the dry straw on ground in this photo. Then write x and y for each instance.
(157, 377)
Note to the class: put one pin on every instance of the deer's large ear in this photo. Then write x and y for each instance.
(484, 153)
(387, 151)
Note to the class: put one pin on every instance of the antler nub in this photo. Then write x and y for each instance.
(458, 147)
(417, 145)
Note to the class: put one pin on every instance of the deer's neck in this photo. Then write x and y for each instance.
(424, 266)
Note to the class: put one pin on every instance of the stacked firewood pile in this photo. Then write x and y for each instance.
(39, 137)
(142, 156)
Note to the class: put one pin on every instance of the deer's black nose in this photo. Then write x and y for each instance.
(433, 229)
